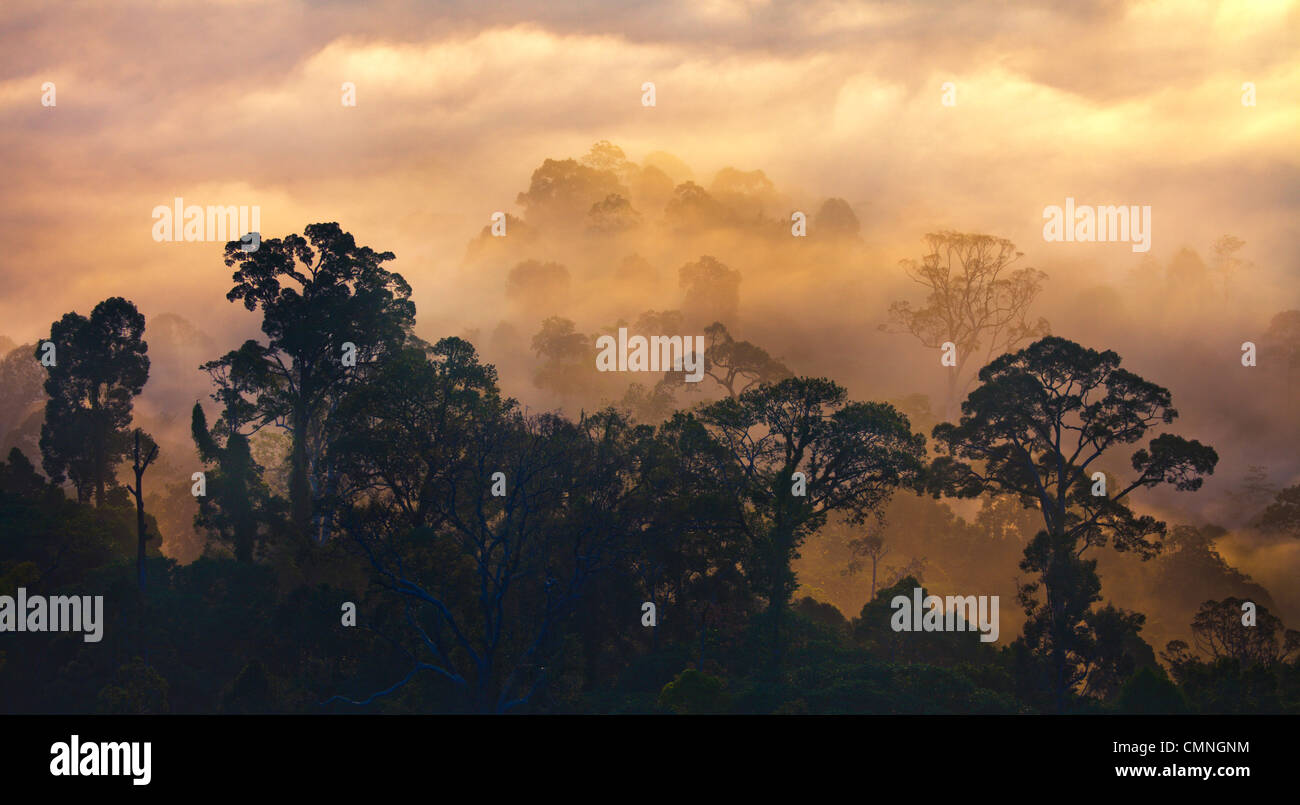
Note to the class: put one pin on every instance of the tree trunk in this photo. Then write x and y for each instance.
(141, 530)
(299, 487)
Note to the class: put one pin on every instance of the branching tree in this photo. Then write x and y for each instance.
(144, 451)
(736, 366)
(975, 299)
(853, 455)
(487, 567)
(1218, 633)
(1037, 428)
(317, 294)
(871, 547)
(100, 366)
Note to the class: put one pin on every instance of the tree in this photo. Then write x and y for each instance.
(317, 294)
(144, 450)
(687, 557)
(836, 219)
(870, 547)
(692, 210)
(1226, 262)
(569, 358)
(1236, 667)
(237, 507)
(488, 569)
(1219, 633)
(1282, 515)
(1036, 429)
(711, 291)
(853, 455)
(1256, 489)
(975, 300)
(613, 215)
(1282, 339)
(737, 366)
(747, 194)
(21, 392)
(605, 156)
(562, 192)
(402, 433)
(100, 366)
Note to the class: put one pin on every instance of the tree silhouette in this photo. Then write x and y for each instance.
(563, 191)
(1236, 668)
(1035, 428)
(870, 547)
(1227, 263)
(100, 366)
(738, 365)
(568, 355)
(22, 393)
(853, 456)
(1283, 514)
(711, 291)
(836, 219)
(144, 451)
(1218, 631)
(316, 294)
(237, 507)
(487, 568)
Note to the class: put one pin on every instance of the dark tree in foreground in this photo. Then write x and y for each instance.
(1036, 428)
(852, 456)
(237, 506)
(486, 524)
(1219, 632)
(317, 295)
(144, 450)
(1236, 665)
(100, 366)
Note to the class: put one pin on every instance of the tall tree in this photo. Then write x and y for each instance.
(852, 456)
(872, 547)
(99, 367)
(1037, 428)
(144, 451)
(487, 525)
(975, 299)
(317, 295)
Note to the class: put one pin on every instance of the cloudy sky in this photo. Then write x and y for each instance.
(239, 103)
